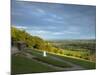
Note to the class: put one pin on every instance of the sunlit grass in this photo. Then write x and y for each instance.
(79, 61)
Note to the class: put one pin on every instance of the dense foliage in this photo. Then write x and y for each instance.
(21, 35)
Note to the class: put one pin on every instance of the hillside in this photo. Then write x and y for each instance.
(31, 41)
(21, 35)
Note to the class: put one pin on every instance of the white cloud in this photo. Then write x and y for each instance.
(41, 11)
(49, 19)
(64, 33)
(38, 12)
(53, 20)
(57, 33)
(71, 32)
(51, 33)
(20, 27)
(56, 17)
(41, 32)
(35, 30)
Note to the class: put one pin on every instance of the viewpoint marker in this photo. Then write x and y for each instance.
(44, 53)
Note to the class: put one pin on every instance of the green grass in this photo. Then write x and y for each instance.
(49, 60)
(79, 54)
(84, 63)
(76, 53)
(22, 65)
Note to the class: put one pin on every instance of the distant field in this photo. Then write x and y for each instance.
(75, 44)
(85, 49)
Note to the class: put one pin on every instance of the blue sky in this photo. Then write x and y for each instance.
(54, 21)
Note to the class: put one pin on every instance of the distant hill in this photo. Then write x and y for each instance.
(88, 44)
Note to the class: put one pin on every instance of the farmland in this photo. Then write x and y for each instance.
(85, 49)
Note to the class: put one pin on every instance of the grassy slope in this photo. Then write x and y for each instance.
(49, 60)
(24, 65)
(84, 63)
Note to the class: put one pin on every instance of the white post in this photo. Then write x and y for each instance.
(44, 53)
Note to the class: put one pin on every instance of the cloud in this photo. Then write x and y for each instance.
(53, 20)
(35, 32)
(50, 33)
(40, 11)
(42, 27)
(41, 32)
(48, 21)
(56, 17)
(71, 32)
(20, 27)
(65, 33)
(45, 30)
(58, 33)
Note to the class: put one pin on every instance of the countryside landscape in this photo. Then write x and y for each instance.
(51, 37)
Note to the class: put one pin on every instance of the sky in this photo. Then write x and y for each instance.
(53, 20)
